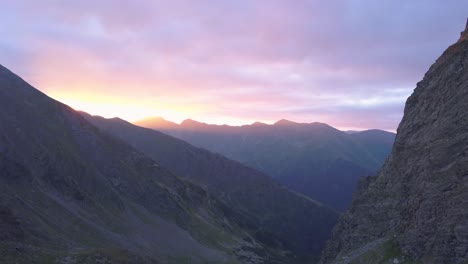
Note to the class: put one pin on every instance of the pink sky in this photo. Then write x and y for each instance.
(350, 64)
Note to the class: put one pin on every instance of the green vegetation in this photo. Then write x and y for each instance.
(210, 234)
(179, 260)
(279, 219)
(10, 253)
(384, 254)
(106, 255)
(192, 260)
(26, 255)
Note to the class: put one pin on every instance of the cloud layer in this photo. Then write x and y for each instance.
(351, 64)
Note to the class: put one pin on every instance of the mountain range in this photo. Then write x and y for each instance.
(256, 194)
(314, 159)
(72, 193)
(76, 188)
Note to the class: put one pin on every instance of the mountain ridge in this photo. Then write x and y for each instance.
(253, 192)
(159, 122)
(314, 159)
(71, 193)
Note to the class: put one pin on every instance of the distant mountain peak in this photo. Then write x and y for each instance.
(155, 122)
(285, 122)
(192, 123)
(158, 118)
(258, 124)
(154, 119)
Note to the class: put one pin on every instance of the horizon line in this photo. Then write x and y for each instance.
(268, 123)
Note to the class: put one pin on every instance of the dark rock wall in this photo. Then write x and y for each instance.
(420, 197)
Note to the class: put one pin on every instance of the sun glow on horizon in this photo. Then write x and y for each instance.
(110, 107)
(230, 62)
(178, 106)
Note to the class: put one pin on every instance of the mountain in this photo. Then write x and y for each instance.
(297, 222)
(416, 209)
(314, 159)
(159, 122)
(70, 193)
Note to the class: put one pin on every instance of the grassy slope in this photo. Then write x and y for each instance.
(69, 191)
(276, 215)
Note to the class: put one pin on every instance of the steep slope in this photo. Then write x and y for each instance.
(377, 142)
(72, 194)
(296, 222)
(417, 206)
(314, 159)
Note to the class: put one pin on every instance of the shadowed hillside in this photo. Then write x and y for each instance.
(299, 223)
(314, 159)
(73, 194)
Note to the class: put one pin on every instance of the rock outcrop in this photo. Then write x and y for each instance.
(418, 202)
(464, 34)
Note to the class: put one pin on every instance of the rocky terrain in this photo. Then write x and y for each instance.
(416, 209)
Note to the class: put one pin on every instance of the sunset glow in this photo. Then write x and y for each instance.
(350, 64)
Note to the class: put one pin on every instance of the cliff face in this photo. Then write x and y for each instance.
(418, 202)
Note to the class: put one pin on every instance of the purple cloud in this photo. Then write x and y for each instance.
(347, 63)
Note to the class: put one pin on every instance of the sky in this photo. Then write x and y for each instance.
(350, 64)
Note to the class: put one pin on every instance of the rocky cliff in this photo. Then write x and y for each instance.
(416, 208)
